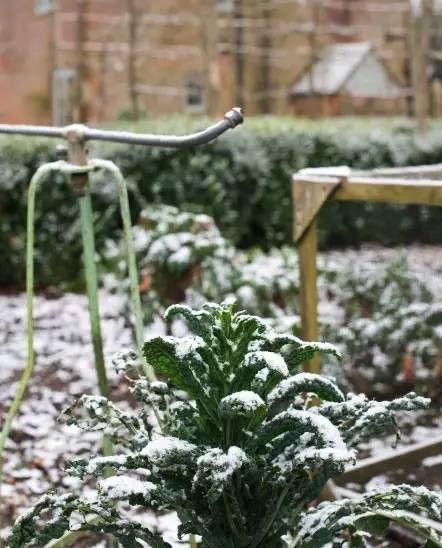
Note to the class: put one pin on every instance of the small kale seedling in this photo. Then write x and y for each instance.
(248, 443)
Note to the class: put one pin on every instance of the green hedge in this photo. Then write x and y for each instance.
(242, 180)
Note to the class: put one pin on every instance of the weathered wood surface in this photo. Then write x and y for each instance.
(313, 187)
(307, 249)
(402, 458)
(392, 190)
(308, 199)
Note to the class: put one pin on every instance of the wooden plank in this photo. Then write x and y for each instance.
(308, 199)
(307, 250)
(399, 191)
(404, 458)
(426, 171)
(432, 171)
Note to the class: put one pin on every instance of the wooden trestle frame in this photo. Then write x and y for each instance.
(420, 185)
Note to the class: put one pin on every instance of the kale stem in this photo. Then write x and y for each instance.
(228, 432)
(262, 531)
(230, 517)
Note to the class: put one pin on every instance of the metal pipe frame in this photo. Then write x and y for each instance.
(79, 168)
(232, 118)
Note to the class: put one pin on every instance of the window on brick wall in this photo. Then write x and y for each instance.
(43, 6)
(63, 96)
(194, 96)
(224, 5)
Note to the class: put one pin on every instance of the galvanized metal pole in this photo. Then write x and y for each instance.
(35, 182)
(131, 259)
(78, 156)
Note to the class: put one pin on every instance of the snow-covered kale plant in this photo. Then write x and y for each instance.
(183, 257)
(172, 249)
(264, 284)
(392, 330)
(245, 444)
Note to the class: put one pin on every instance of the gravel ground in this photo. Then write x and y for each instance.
(39, 446)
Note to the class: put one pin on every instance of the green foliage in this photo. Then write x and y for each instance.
(58, 233)
(385, 319)
(175, 250)
(265, 284)
(369, 514)
(392, 328)
(182, 257)
(247, 443)
(242, 181)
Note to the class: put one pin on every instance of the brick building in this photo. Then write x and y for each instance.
(95, 60)
(346, 79)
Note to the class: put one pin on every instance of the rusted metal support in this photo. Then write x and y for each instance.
(36, 181)
(77, 155)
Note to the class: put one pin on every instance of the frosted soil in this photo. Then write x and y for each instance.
(40, 446)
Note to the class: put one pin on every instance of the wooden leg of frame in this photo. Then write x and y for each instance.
(307, 250)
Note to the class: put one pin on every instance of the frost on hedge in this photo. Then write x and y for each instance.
(248, 443)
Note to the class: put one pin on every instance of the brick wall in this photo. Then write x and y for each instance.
(177, 48)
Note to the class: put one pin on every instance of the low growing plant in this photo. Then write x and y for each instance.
(247, 444)
(183, 258)
(175, 250)
(392, 329)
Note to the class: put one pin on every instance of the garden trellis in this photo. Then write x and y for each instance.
(311, 188)
(78, 167)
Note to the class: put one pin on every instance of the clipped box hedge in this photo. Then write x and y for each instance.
(242, 180)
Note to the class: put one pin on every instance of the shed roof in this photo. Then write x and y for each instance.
(334, 67)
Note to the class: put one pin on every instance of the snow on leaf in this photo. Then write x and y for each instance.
(246, 404)
(215, 470)
(399, 504)
(272, 361)
(126, 487)
(305, 382)
(169, 451)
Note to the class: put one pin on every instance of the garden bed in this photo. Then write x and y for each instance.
(40, 446)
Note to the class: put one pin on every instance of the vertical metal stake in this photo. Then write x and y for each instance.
(15, 405)
(131, 260)
(77, 156)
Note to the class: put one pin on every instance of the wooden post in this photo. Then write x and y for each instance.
(419, 42)
(307, 249)
(132, 22)
(238, 16)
